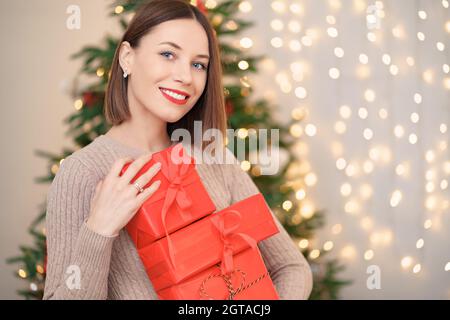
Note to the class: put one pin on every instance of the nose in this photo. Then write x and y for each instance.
(182, 72)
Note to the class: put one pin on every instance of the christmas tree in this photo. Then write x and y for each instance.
(284, 191)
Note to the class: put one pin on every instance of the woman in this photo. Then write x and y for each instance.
(165, 75)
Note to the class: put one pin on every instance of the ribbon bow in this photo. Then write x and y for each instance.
(227, 234)
(176, 193)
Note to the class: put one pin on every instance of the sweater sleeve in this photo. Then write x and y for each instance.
(78, 259)
(289, 270)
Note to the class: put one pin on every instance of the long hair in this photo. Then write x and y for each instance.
(210, 107)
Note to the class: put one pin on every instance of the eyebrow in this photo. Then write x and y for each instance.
(179, 48)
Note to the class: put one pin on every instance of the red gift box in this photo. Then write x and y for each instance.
(249, 280)
(208, 241)
(180, 199)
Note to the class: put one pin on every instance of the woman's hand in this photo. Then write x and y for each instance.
(116, 201)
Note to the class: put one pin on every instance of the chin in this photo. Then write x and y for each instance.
(174, 117)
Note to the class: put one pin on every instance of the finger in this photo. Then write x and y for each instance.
(134, 167)
(117, 167)
(141, 197)
(147, 176)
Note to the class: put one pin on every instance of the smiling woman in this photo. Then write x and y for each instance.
(151, 92)
(168, 75)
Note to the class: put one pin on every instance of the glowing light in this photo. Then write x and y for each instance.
(402, 169)
(78, 104)
(417, 268)
(371, 37)
(118, 10)
(398, 32)
(428, 76)
(368, 255)
(393, 69)
(307, 209)
(412, 138)
(421, 36)
(339, 52)
(300, 92)
(447, 266)
(246, 43)
(334, 73)
(427, 224)
(369, 95)
(287, 205)
(336, 229)
(363, 113)
(351, 207)
(276, 42)
(346, 189)
(340, 127)
(414, 117)
(300, 194)
(296, 130)
(396, 197)
(295, 45)
(430, 156)
(277, 25)
(366, 191)
(303, 244)
(368, 166)
(422, 14)
(363, 58)
(278, 6)
(245, 165)
(332, 32)
(345, 111)
(399, 131)
(348, 252)
(243, 65)
(383, 113)
(368, 134)
(327, 246)
(294, 26)
(406, 262)
(311, 179)
(410, 61)
(331, 19)
(420, 243)
(245, 6)
(341, 163)
(314, 254)
(366, 223)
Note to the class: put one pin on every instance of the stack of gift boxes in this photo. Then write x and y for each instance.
(191, 252)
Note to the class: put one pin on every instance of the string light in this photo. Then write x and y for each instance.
(378, 154)
(303, 244)
(368, 255)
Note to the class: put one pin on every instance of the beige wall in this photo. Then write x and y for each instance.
(36, 46)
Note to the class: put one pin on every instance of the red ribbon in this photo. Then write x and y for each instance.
(176, 193)
(226, 235)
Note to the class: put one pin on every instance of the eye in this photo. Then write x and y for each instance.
(203, 67)
(166, 53)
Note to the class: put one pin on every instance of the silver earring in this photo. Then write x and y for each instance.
(125, 74)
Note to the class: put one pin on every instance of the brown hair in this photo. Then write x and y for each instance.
(210, 107)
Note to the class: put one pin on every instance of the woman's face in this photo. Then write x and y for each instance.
(156, 67)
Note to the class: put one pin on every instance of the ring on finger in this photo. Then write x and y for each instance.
(138, 187)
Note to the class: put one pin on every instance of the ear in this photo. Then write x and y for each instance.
(126, 54)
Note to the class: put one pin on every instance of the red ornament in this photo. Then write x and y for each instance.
(229, 107)
(89, 98)
(201, 6)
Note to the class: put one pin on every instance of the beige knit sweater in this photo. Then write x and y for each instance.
(110, 267)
